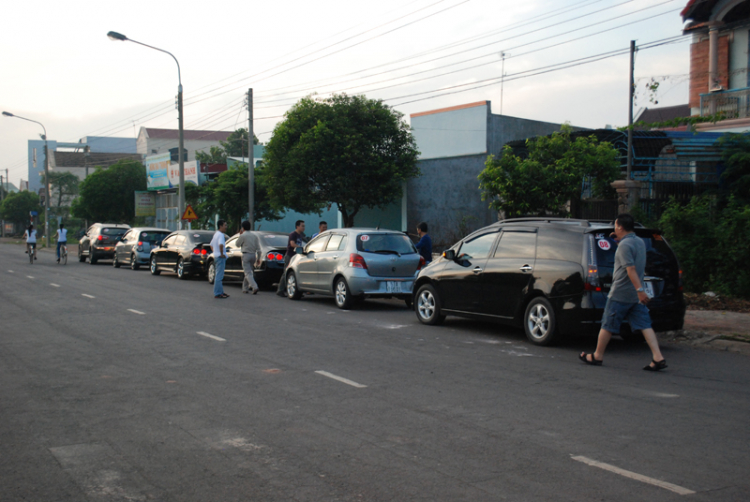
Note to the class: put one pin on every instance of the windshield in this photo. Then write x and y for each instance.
(385, 244)
(114, 231)
(152, 237)
(202, 238)
(276, 241)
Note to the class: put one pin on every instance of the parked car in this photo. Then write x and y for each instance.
(272, 250)
(135, 246)
(184, 252)
(98, 243)
(354, 263)
(551, 276)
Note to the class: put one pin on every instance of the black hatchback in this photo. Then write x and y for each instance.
(551, 276)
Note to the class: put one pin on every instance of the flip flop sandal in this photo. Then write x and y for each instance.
(657, 366)
(593, 362)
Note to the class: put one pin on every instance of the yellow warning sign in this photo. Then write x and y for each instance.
(189, 213)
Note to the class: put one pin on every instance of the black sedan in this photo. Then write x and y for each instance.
(184, 252)
(269, 268)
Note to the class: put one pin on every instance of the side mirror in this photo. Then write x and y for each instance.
(165, 246)
(450, 254)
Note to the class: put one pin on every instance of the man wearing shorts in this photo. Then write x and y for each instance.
(627, 298)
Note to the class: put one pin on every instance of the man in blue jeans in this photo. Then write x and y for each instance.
(627, 298)
(220, 258)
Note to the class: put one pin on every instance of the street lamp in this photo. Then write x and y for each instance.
(114, 36)
(46, 176)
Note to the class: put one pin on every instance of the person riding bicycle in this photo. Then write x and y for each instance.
(62, 239)
(30, 236)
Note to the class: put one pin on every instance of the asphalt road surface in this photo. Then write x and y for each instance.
(118, 385)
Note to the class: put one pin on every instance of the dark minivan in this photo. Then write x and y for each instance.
(551, 276)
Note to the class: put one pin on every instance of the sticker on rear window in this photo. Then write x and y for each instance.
(365, 238)
(605, 245)
(196, 235)
(600, 236)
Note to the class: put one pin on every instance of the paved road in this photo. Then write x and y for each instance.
(118, 385)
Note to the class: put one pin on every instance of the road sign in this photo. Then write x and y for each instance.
(189, 213)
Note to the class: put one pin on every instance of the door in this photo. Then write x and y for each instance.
(328, 260)
(307, 266)
(161, 254)
(509, 273)
(234, 259)
(122, 249)
(459, 282)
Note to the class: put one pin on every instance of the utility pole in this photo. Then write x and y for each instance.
(631, 91)
(251, 164)
(502, 79)
(2, 196)
(181, 198)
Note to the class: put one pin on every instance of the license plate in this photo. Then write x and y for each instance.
(393, 287)
(649, 289)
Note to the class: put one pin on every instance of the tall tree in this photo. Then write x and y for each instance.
(62, 185)
(349, 151)
(109, 194)
(234, 146)
(551, 175)
(17, 206)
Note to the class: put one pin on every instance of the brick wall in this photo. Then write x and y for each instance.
(699, 68)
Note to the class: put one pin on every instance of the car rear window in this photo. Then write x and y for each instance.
(201, 238)
(385, 243)
(152, 237)
(660, 259)
(276, 241)
(114, 231)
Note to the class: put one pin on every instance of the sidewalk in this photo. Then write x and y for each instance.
(713, 329)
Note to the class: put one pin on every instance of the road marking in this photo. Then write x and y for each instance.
(11, 272)
(634, 475)
(136, 312)
(54, 285)
(341, 379)
(218, 339)
(87, 296)
(30, 276)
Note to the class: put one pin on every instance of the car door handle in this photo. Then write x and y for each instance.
(526, 268)
(477, 270)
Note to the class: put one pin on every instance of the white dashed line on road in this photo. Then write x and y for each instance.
(634, 475)
(136, 312)
(341, 379)
(87, 296)
(30, 276)
(11, 272)
(54, 285)
(212, 337)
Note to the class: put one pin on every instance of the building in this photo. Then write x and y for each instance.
(454, 144)
(157, 141)
(719, 60)
(663, 114)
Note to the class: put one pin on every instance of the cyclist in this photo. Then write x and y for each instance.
(30, 236)
(62, 239)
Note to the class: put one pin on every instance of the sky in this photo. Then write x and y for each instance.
(565, 61)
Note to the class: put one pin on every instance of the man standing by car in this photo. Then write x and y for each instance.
(248, 242)
(294, 241)
(220, 258)
(424, 246)
(322, 227)
(627, 298)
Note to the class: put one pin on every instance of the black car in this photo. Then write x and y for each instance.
(271, 266)
(184, 252)
(551, 276)
(99, 241)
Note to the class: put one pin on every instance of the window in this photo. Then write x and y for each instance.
(318, 244)
(478, 247)
(152, 237)
(180, 241)
(169, 240)
(342, 246)
(333, 244)
(385, 243)
(276, 241)
(517, 245)
(231, 243)
(114, 232)
(126, 237)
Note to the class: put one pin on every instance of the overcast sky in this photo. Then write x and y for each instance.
(58, 66)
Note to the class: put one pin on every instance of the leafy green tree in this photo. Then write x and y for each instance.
(17, 206)
(349, 151)
(234, 146)
(109, 194)
(62, 185)
(736, 156)
(551, 176)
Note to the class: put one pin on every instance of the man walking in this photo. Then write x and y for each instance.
(62, 239)
(294, 241)
(627, 298)
(248, 242)
(220, 258)
(424, 246)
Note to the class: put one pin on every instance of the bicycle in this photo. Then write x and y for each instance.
(63, 254)
(32, 251)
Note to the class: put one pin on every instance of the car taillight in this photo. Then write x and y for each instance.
(357, 261)
(204, 252)
(199, 251)
(592, 280)
(140, 243)
(100, 238)
(679, 282)
(279, 257)
(270, 257)
(421, 263)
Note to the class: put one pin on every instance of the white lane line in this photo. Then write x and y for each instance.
(341, 379)
(87, 296)
(207, 335)
(11, 272)
(30, 276)
(54, 285)
(634, 475)
(136, 312)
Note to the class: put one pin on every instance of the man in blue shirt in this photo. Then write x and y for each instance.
(424, 246)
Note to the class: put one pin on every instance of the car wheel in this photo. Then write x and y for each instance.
(154, 269)
(539, 322)
(81, 258)
(428, 306)
(211, 275)
(292, 291)
(134, 263)
(181, 274)
(342, 293)
(92, 258)
(115, 263)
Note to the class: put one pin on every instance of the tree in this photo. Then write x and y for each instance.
(551, 175)
(63, 185)
(234, 146)
(109, 194)
(736, 156)
(16, 207)
(349, 151)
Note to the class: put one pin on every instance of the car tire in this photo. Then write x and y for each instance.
(81, 258)
(539, 322)
(428, 308)
(181, 274)
(211, 274)
(292, 290)
(342, 294)
(154, 269)
(134, 263)
(115, 263)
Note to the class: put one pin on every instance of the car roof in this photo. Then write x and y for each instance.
(151, 229)
(116, 225)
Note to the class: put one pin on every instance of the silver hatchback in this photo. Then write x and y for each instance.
(354, 263)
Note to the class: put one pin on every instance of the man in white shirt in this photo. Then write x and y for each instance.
(220, 258)
(62, 239)
(30, 235)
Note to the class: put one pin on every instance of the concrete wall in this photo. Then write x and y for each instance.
(450, 132)
(110, 145)
(739, 45)
(163, 145)
(503, 129)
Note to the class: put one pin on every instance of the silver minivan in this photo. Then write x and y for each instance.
(354, 263)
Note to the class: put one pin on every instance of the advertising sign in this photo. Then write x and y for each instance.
(191, 174)
(145, 204)
(156, 171)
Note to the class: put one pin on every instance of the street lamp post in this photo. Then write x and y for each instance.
(120, 37)
(46, 176)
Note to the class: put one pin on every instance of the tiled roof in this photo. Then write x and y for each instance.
(651, 115)
(189, 135)
(78, 159)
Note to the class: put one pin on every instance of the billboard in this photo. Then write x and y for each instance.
(191, 174)
(145, 204)
(156, 171)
